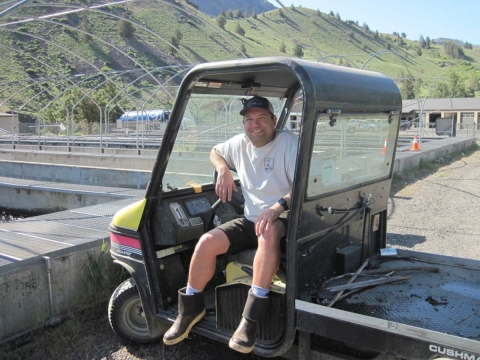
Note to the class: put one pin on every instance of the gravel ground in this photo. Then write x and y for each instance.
(438, 214)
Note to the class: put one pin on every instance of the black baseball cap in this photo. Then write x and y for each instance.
(256, 102)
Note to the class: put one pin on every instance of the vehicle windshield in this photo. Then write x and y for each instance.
(208, 120)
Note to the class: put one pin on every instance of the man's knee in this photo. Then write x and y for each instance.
(214, 242)
(278, 230)
(271, 237)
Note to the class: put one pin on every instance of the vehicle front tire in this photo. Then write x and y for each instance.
(126, 316)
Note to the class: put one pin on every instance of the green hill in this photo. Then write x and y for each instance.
(40, 57)
(215, 7)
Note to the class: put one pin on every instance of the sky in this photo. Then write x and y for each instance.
(453, 19)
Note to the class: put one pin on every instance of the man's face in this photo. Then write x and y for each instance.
(259, 126)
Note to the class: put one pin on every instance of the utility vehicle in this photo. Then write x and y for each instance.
(340, 293)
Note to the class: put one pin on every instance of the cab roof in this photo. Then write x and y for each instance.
(328, 86)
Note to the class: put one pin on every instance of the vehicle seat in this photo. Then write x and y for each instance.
(245, 258)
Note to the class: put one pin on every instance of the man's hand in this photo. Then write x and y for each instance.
(266, 219)
(225, 184)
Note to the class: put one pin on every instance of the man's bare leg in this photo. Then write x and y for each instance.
(191, 308)
(267, 257)
(202, 266)
(265, 265)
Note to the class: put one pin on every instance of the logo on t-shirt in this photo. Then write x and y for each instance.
(268, 164)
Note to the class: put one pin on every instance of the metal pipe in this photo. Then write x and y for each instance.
(14, 7)
(52, 320)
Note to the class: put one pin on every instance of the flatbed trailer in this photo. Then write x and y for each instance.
(433, 313)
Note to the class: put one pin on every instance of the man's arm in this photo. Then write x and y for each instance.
(225, 185)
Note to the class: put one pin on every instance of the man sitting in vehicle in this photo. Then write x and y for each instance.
(264, 159)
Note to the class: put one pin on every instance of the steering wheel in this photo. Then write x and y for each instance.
(238, 201)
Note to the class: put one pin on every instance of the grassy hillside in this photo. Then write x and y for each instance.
(215, 7)
(59, 46)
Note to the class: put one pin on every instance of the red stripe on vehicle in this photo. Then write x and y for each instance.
(124, 240)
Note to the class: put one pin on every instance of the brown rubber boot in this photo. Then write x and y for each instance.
(191, 309)
(243, 340)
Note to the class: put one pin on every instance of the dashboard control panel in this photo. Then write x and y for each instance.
(179, 219)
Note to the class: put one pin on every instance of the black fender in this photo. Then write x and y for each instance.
(156, 327)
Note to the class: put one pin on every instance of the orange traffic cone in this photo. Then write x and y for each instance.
(415, 146)
(384, 151)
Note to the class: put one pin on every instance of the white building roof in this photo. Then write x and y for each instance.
(457, 104)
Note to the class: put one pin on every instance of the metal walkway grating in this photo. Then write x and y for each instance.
(37, 236)
(70, 188)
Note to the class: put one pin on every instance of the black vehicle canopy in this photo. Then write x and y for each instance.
(315, 87)
(329, 86)
(340, 164)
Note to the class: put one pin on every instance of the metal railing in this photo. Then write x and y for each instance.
(88, 134)
(461, 130)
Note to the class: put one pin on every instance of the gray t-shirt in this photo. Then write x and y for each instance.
(266, 173)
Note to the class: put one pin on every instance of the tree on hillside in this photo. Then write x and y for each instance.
(229, 14)
(421, 42)
(407, 89)
(298, 50)
(281, 14)
(178, 34)
(240, 30)
(331, 13)
(375, 35)
(418, 83)
(222, 13)
(237, 14)
(254, 14)
(472, 84)
(319, 13)
(173, 45)
(406, 86)
(246, 14)
(404, 35)
(124, 28)
(427, 43)
(175, 41)
(399, 40)
(86, 26)
(104, 95)
(365, 27)
(453, 50)
(467, 45)
(452, 87)
(221, 21)
(337, 16)
(282, 47)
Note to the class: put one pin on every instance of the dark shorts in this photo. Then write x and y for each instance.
(241, 234)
